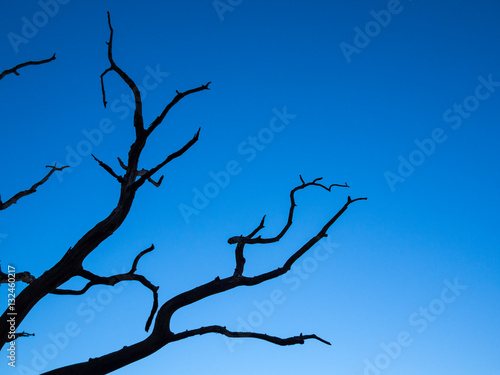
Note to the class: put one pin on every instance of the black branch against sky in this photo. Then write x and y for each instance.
(133, 177)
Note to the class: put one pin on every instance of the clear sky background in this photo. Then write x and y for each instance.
(398, 99)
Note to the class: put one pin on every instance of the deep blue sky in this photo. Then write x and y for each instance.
(417, 262)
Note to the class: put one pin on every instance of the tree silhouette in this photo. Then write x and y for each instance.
(158, 322)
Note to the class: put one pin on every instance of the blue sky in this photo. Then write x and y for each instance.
(398, 99)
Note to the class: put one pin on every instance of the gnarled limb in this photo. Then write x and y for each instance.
(31, 190)
(15, 69)
(162, 335)
(70, 265)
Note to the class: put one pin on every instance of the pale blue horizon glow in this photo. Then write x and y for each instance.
(397, 98)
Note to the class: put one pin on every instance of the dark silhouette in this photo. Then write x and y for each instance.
(71, 263)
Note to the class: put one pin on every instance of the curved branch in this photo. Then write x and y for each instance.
(174, 101)
(241, 241)
(115, 279)
(31, 190)
(138, 258)
(292, 209)
(221, 285)
(138, 123)
(22, 65)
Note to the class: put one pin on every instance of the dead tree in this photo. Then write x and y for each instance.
(71, 263)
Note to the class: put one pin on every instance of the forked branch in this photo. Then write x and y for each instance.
(115, 279)
(162, 335)
(148, 174)
(71, 263)
(138, 119)
(292, 209)
(241, 241)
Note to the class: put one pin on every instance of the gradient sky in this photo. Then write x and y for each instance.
(398, 99)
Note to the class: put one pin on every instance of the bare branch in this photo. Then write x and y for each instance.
(138, 122)
(295, 256)
(171, 157)
(241, 241)
(294, 340)
(31, 190)
(108, 169)
(218, 285)
(174, 101)
(104, 102)
(112, 280)
(138, 258)
(162, 335)
(142, 172)
(156, 184)
(19, 66)
(71, 264)
(292, 209)
(261, 226)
